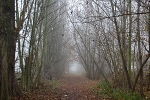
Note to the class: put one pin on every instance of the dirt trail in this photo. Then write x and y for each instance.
(76, 88)
(71, 88)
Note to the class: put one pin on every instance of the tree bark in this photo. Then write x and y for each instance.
(8, 82)
(120, 47)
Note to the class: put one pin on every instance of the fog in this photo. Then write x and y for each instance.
(76, 68)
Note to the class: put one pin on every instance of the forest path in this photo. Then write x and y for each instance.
(71, 87)
(76, 88)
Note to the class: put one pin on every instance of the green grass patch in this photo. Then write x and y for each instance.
(105, 90)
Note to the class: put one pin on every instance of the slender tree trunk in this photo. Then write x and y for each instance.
(139, 48)
(148, 83)
(129, 40)
(149, 49)
(120, 47)
(146, 59)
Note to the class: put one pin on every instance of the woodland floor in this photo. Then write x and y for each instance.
(71, 87)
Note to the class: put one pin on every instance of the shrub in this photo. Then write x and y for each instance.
(105, 90)
(53, 83)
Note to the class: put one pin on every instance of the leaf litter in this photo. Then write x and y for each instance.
(71, 87)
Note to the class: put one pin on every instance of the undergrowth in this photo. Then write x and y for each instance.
(53, 83)
(106, 91)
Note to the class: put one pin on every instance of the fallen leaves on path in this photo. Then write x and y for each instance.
(76, 88)
(71, 88)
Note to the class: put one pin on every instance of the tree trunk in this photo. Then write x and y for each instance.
(120, 47)
(129, 40)
(4, 74)
(8, 44)
(139, 48)
(148, 88)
